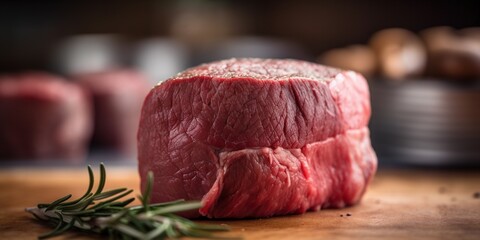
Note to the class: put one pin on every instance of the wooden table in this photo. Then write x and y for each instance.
(400, 204)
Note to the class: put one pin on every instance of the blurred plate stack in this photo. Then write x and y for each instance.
(426, 122)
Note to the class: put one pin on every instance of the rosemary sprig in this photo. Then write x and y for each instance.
(103, 212)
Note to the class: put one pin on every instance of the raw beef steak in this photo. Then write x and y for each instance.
(258, 138)
(43, 117)
(117, 96)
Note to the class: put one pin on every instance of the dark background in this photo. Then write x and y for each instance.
(29, 30)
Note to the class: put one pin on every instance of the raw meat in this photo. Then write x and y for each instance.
(258, 138)
(43, 117)
(117, 97)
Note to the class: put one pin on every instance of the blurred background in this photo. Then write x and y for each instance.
(421, 58)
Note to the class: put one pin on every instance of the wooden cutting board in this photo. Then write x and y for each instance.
(400, 204)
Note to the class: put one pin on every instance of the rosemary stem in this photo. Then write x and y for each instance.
(104, 212)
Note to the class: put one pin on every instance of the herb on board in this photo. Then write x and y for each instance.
(104, 212)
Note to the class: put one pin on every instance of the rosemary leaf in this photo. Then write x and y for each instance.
(107, 194)
(57, 202)
(113, 199)
(179, 207)
(103, 179)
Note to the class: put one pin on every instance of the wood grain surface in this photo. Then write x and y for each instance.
(400, 204)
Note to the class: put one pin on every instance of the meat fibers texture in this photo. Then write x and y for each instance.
(43, 117)
(258, 138)
(117, 96)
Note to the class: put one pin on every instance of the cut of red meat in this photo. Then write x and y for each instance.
(43, 117)
(117, 97)
(258, 138)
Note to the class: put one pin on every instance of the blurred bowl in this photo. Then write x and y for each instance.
(160, 58)
(87, 53)
(426, 122)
